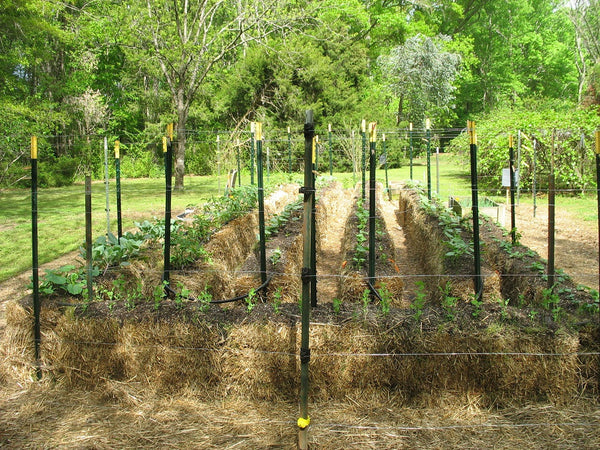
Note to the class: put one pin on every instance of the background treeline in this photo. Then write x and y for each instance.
(76, 71)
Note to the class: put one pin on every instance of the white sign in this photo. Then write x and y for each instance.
(506, 178)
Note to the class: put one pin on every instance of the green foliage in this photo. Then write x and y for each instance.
(109, 251)
(277, 300)
(67, 279)
(337, 304)
(419, 302)
(278, 221)
(250, 300)
(386, 299)
(448, 301)
(551, 302)
(361, 251)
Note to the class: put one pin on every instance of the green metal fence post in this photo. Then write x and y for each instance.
(428, 133)
(88, 236)
(37, 335)
(168, 154)
(330, 155)
(261, 202)
(512, 173)
(475, 200)
(372, 163)
(252, 139)
(410, 134)
(307, 274)
(118, 182)
(363, 132)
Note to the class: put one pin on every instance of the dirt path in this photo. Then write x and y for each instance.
(329, 259)
(576, 247)
(401, 257)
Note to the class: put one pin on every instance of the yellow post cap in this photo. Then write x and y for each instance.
(471, 131)
(258, 130)
(428, 124)
(510, 141)
(598, 142)
(34, 147)
(373, 131)
(363, 126)
(164, 144)
(303, 423)
(117, 149)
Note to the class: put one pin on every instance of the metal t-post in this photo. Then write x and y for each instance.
(372, 148)
(475, 199)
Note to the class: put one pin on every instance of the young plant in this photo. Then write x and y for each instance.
(366, 299)
(337, 303)
(275, 256)
(159, 294)
(551, 302)
(419, 303)
(477, 304)
(448, 302)
(386, 299)
(251, 300)
(182, 295)
(503, 307)
(277, 300)
(204, 299)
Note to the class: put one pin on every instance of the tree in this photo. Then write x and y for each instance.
(190, 39)
(421, 73)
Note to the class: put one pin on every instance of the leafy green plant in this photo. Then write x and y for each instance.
(477, 303)
(386, 299)
(503, 307)
(66, 278)
(361, 251)
(279, 220)
(204, 299)
(419, 302)
(448, 301)
(182, 295)
(337, 304)
(159, 294)
(275, 256)
(250, 300)
(551, 302)
(277, 300)
(366, 299)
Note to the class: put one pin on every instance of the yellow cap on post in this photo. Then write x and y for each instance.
(428, 124)
(363, 126)
(373, 132)
(410, 126)
(510, 141)
(471, 131)
(170, 130)
(383, 136)
(117, 148)
(258, 131)
(164, 144)
(598, 142)
(314, 148)
(33, 147)
(329, 128)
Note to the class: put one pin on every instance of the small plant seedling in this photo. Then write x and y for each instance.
(386, 299)
(419, 303)
(182, 295)
(251, 300)
(204, 299)
(477, 304)
(337, 303)
(159, 294)
(276, 256)
(277, 300)
(365, 301)
(448, 302)
(503, 307)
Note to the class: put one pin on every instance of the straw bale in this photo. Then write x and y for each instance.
(230, 245)
(170, 356)
(260, 361)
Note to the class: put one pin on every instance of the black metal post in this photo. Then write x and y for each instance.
(261, 202)
(330, 155)
(551, 219)
(598, 193)
(475, 199)
(410, 134)
(252, 139)
(88, 236)
(289, 132)
(239, 166)
(387, 182)
(428, 133)
(307, 274)
(37, 335)
(372, 163)
(168, 153)
(118, 180)
(512, 173)
(363, 132)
